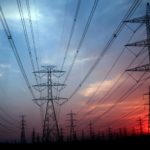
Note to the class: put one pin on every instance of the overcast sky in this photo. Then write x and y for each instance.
(52, 21)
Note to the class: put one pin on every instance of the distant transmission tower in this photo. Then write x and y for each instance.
(50, 125)
(33, 136)
(91, 132)
(140, 124)
(23, 137)
(144, 43)
(82, 135)
(72, 125)
(148, 109)
(133, 131)
(61, 134)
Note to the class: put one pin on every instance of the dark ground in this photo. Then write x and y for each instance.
(138, 142)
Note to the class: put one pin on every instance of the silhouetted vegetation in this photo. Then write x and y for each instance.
(137, 141)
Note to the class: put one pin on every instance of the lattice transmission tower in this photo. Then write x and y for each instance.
(72, 126)
(50, 124)
(143, 43)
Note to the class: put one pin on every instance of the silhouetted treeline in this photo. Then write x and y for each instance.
(96, 141)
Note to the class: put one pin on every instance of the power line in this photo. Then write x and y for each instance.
(63, 22)
(131, 10)
(26, 34)
(69, 41)
(138, 22)
(82, 38)
(118, 80)
(36, 56)
(125, 115)
(8, 115)
(124, 71)
(122, 98)
(108, 73)
(32, 32)
(71, 33)
(122, 51)
(7, 121)
(111, 91)
(131, 90)
(119, 123)
(15, 51)
(6, 127)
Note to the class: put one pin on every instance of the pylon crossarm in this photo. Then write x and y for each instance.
(45, 84)
(142, 19)
(58, 71)
(47, 71)
(50, 99)
(143, 68)
(143, 43)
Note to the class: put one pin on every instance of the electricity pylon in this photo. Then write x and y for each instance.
(61, 134)
(148, 109)
(82, 135)
(72, 125)
(143, 43)
(50, 125)
(91, 132)
(23, 137)
(140, 124)
(110, 133)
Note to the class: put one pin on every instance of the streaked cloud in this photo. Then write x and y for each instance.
(85, 60)
(88, 91)
(5, 66)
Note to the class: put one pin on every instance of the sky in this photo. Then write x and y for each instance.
(52, 22)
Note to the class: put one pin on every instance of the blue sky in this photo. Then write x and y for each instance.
(52, 21)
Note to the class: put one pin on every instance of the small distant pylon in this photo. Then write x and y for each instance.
(140, 124)
(82, 135)
(120, 133)
(61, 134)
(33, 136)
(148, 110)
(110, 133)
(91, 132)
(72, 125)
(23, 137)
(133, 131)
(125, 133)
(38, 139)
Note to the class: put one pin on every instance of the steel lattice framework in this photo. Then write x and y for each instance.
(50, 124)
